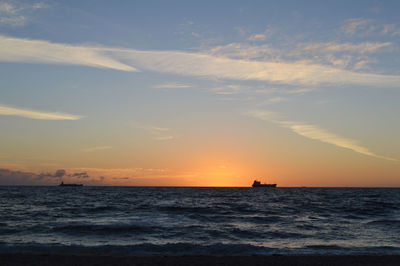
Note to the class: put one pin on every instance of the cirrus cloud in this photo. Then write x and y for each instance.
(34, 114)
(15, 13)
(174, 85)
(187, 64)
(97, 148)
(316, 133)
(37, 51)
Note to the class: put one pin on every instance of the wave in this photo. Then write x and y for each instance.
(386, 223)
(107, 228)
(236, 220)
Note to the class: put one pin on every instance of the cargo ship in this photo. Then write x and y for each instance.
(258, 184)
(69, 185)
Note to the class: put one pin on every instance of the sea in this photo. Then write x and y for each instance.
(192, 220)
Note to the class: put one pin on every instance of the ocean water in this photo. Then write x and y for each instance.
(156, 220)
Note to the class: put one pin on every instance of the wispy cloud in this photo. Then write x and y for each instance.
(97, 148)
(35, 51)
(277, 99)
(295, 73)
(244, 51)
(258, 37)
(331, 53)
(154, 129)
(187, 64)
(365, 47)
(9, 14)
(283, 90)
(34, 114)
(391, 29)
(15, 13)
(368, 26)
(165, 138)
(229, 89)
(299, 91)
(261, 36)
(351, 26)
(353, 56)
(159, 133)
(362, 64)
(316, 133)
(172, 86)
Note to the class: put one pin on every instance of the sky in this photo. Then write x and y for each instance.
(200, 93)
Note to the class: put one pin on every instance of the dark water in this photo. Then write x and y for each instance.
(200, 220)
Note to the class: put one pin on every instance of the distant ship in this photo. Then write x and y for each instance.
(258, 184)
(69, 185)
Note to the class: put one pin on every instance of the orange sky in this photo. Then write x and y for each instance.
(188, 95)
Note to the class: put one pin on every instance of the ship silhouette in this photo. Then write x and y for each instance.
(69, 185)
(258, 184)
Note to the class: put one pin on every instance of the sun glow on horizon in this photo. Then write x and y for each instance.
(173, 95)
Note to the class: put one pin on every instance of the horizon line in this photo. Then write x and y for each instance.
(206, 186)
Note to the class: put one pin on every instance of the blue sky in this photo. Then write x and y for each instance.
(168, 91)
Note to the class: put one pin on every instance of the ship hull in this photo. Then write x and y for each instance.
(265, 185)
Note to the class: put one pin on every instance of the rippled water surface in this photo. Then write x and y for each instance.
(200, 220)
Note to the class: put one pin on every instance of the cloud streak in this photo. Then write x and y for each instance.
(261, 36)
(351, 26)
(295, 73)
(172, 86)
(316, 133)
(365, 47)
(36, 51)
(159, 133)
(186, 64)
(97, 148)
(33, 114)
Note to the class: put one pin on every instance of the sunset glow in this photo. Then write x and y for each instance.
(180, 94)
